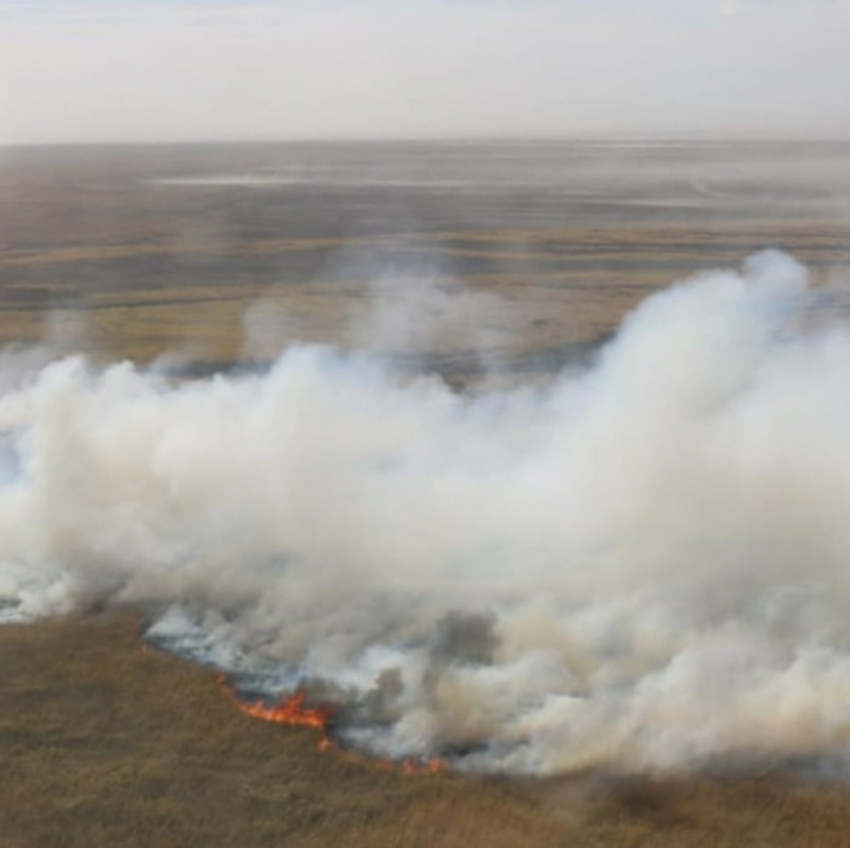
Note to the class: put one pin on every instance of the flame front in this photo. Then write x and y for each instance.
(294, 712)
(291, 711)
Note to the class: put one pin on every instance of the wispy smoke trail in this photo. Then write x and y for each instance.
(642, 566)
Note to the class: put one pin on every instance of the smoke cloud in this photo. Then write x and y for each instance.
(642, 565)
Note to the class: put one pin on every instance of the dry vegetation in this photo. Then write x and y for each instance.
(558, 286)
(106, 742)
(94, 237)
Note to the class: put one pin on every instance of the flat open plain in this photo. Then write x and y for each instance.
(136, 252)
(215, 257)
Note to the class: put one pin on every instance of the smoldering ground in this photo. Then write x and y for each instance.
(640, 566)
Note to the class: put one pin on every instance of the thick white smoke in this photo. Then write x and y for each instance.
(644, 565)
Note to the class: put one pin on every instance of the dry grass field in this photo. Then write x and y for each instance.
(132, 253)
(105, 742)
(139, 252)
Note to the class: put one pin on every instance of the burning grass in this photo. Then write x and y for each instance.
(106, 743)
(295, 712)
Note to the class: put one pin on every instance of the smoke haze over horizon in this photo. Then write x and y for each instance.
(181, 71)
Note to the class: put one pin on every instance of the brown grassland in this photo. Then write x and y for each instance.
(106, 742)
(137, 266)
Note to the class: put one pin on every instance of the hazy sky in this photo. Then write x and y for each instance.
(220, 69)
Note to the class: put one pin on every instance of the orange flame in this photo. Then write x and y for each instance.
(291, 711)
(294, 712)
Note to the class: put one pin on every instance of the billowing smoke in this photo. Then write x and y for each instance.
(644, 565)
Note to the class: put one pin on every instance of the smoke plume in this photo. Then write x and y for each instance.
(642, 566)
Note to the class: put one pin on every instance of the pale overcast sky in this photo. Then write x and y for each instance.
(136, 70)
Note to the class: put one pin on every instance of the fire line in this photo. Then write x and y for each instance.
(293, 711)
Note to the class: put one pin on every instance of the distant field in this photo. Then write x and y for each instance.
(153, 250)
